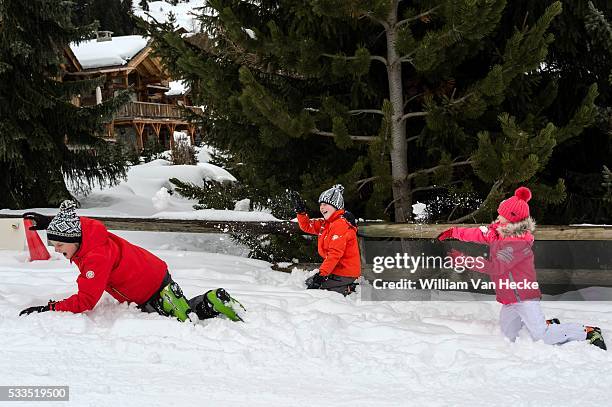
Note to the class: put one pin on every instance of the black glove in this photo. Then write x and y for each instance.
(39, 308)
(298, 202)
(315, 281)
(350, 218)
(41, 222)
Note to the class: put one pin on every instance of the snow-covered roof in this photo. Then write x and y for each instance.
(177, 88)
(118, 51)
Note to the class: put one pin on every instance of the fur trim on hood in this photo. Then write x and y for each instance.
(517, 228)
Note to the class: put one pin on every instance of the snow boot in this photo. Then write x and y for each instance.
(174, 303)
(594, 337)
(214, 303)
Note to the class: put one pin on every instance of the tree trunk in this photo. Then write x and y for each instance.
(399, 145)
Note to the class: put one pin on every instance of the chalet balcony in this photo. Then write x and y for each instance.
(153, 111)
(159, 118)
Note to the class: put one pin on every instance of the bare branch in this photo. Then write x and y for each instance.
(390, 204)
(354, 138)
(412, 98)
(363, 182)
(432, 187)
(413, 114)
(423, 14)
(451, 103)
(372, 57)
(437, 167)
(373, 111)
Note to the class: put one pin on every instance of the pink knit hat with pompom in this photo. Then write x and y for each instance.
(515, 208)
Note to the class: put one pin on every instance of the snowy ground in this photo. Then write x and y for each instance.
(297, 347)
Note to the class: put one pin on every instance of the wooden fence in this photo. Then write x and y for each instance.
(366, 230)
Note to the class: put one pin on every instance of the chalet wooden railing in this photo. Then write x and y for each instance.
(153, 111)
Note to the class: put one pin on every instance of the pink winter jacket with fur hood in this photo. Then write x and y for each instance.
(510, 258)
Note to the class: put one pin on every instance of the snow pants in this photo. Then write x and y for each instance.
(513, 317)
(339, 284)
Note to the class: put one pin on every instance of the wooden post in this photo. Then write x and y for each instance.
(110, 130)
(139, 130)
(191, 130)
(171, 127)
(156, 128)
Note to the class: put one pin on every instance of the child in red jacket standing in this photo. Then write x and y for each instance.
(127, 272)
(337, 242)
(511, 267)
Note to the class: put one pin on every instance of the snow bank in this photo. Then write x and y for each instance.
(147, 193)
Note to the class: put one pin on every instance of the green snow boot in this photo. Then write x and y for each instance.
(220, 302)
(595, 337)
(174, 302)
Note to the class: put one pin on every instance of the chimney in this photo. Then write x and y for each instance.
(102, 36)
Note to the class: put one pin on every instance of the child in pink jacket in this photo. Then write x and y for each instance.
(511, 267)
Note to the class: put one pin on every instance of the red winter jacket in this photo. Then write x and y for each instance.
(109, 263)
(510, 260)
(337, 244)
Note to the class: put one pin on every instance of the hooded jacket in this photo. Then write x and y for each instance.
(109, 263)
(337, 244)
(510, 260)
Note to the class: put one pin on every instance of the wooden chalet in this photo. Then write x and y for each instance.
(156, 108)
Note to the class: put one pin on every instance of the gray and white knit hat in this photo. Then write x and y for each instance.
(333, 196)
(66, 225)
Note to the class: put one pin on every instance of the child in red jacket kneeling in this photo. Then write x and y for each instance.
(337, 242)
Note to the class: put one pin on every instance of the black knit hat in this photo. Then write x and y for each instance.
(333, 196)
(66, 225)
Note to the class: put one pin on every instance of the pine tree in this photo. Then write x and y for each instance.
(44, 138)
(396, 99)
(579, 57)
(110, 15)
